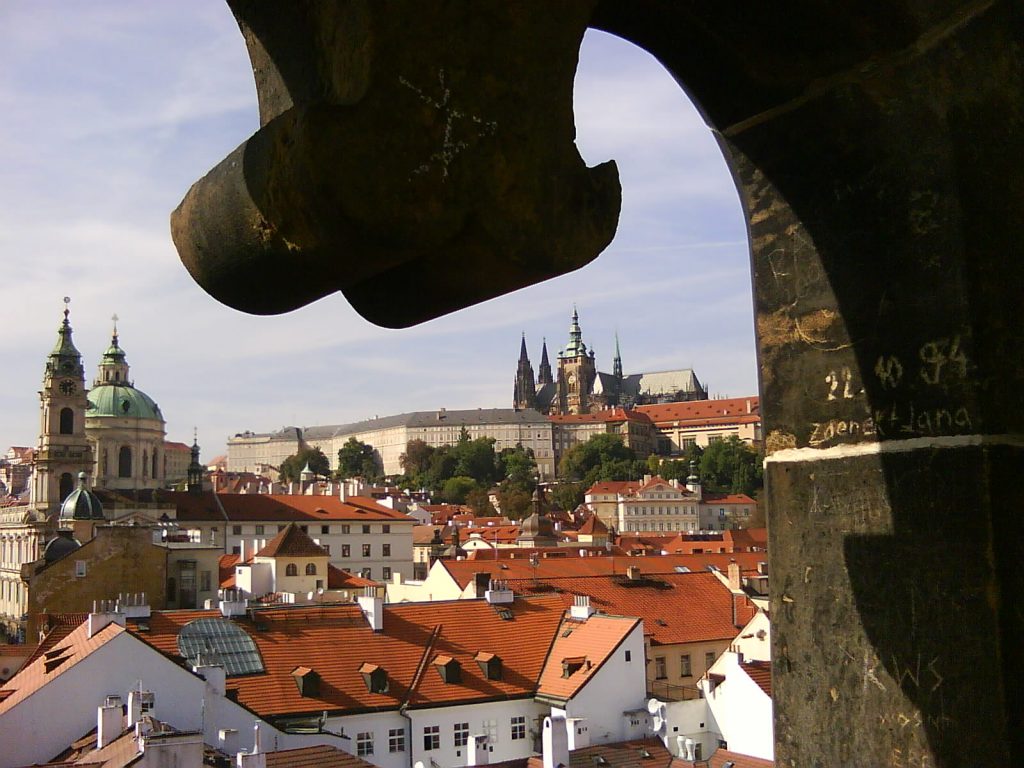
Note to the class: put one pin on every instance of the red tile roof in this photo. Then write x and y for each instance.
(563, 552)
(761, 673)
(61, 625)
(593, 525)
(278, 507)
(612, 487)
(322, 756)
(675, 607)
(576, 656)
(504, 568)
(48, 665)
(311, 636)
(292, 541)
(606, 416)
(730, 410)
(728, 498)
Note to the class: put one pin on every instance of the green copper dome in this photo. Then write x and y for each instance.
(121, 401)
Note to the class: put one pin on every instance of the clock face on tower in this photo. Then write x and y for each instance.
(572, 378)
(68, 387)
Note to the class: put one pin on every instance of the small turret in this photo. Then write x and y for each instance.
(195, 469)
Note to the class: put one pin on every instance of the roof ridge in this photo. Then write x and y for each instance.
(422, 666)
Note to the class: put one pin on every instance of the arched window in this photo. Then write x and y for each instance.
(105, 464)
(117, 375)
(154, 464)
(124, 462)
(311, 569)
(291, 570)
(67, 485)
(67, 421)
(145, 463)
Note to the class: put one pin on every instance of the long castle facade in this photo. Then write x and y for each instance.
(579, 388)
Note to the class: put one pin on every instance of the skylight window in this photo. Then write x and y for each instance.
(219, 641)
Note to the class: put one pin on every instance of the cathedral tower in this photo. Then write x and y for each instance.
(544, 371)
(576, 372)
(63, 450)
(525, 391)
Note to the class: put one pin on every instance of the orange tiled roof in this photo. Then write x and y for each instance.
(292, 541)
(564, 552)
(730, 410)
(761, 673)
(723, 756)
(278, 507)
(322, 756)
(338, 578)
(728, 498)
(613, 487)
(462, 571)
(593, 525)
(61, 625)
(576, 656)
(675, 607)
(50, 664)
(310, 636)
(604, 416)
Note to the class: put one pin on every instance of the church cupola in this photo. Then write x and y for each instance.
(575, 347)
(65, 360)
(113, 368)
(195, 469)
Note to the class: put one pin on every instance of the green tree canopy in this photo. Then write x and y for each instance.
(519, 468)
(567, 496)
(731, 466)
(515, 502)
(357, 459)
(457, 489)
(603, 457)
(416, 459)
(291, 468)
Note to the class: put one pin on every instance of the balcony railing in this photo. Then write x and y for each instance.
(659, 689)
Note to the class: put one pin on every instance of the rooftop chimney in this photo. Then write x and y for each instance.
(581, 607)
(555, 741)
(139, 703)
(104, 612)
(255, 759)
(633, 573)
(372, 607)
(734, 576)
(133, 605)
(498, 593)
(232, 603)
(109, 721)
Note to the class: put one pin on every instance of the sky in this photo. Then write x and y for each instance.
(111, 110)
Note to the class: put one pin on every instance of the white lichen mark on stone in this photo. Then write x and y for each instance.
(450, 147)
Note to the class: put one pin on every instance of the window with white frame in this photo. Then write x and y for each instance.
(364, 743)
(431, 737)
(461, 734)
(518, 727)
(396, 740)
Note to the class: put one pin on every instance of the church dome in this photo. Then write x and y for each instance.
(59, 546)
(121, 401)
(81, 503)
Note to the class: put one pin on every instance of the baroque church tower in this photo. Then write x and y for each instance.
(63, 450)
(577, 370)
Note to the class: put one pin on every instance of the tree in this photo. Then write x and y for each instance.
(479, 500)
(357, 459)
(515, 503)
(416, 459)
(730, 466)
(291, 468)
(476, 459)
(457, 489)
(519, 469)
(567, 496)
(603, 457)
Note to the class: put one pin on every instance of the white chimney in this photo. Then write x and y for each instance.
(215, 677)
(498, 593)
(578, 732)
(109, 721)
(233, 602)
(227, 740)
(104, 612)
(734, 576)
(255, 759)
(748, 406)
(555, 742)
(372, 607)
(581, 607)
(241, 551)
(139, 703)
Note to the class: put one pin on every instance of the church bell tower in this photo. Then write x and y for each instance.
(63, 451)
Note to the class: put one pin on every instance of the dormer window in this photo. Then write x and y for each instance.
(572, 664)
(490, 665)
(449, 669)
(375, 677)
(307, 681)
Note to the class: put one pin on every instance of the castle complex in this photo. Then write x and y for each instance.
(580, 388)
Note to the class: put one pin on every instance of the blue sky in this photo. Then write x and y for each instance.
(113, 109)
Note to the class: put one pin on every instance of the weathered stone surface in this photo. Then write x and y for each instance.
(417, 161)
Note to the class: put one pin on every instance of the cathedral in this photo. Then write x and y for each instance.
(579, 388)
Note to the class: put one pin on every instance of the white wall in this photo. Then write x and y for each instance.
(741, 710)
(617, 687)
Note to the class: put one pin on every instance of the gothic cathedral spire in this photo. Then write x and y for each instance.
(544, 371)
(524, 393)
